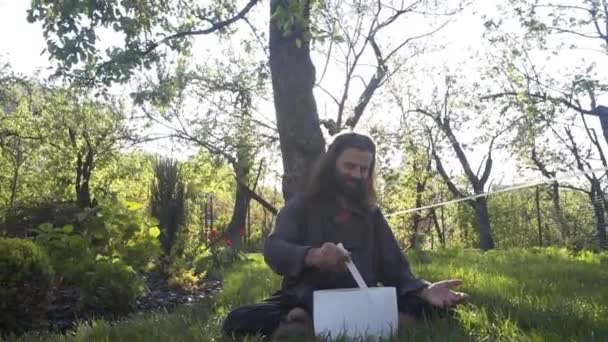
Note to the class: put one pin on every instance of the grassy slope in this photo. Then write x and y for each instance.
(517, 295)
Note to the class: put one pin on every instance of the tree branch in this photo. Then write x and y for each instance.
(572, 187)
(370, 88)
(214, 27)
(540, 165)
(543, 97)
(446, 178)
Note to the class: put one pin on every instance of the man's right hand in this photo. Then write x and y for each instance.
(328, 257)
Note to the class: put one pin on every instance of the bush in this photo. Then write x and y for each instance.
(124, 231)
(70, 254)
(184, 279)
(102, 253)
(112, 285)
(112, 230)
(26, 278)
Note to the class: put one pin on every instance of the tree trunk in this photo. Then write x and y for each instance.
(238, 220)
(557, 208)
(538, 217)
(416, 218)
(84, 169)
(414, 238)
(602, 113)
(236, 226)
(293, 78)
(438, 229)
(14, 184)
(483, 223)
(599, 213)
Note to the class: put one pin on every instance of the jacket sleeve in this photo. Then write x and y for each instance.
(395, 270)
(283, 251)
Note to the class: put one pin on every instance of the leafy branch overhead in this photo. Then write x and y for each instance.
(144, 26)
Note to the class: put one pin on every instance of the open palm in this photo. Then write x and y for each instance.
(441, 294)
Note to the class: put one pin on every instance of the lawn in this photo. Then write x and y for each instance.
(517, 295)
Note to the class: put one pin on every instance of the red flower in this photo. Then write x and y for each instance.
(228, 242)
(212, 235)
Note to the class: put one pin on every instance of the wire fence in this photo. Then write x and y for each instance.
(566, 210)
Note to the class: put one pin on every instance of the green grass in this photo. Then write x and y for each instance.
(517, 295)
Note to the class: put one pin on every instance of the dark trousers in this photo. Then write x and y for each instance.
(264, 318)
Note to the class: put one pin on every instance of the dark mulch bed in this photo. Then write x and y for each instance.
(63, 314)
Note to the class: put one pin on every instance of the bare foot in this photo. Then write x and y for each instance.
(298, 326)
(299, 315)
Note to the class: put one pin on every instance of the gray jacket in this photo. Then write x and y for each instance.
(302, 225)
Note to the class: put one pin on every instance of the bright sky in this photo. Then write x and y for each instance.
(21, 44)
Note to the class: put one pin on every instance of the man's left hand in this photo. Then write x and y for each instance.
(441, 294)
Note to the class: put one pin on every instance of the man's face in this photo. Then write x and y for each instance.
(353, 169)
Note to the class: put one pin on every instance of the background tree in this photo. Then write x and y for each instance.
(560, 108)
(449, 113)
(149, 34)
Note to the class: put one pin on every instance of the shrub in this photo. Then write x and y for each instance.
(112, 230)
(112, 285)
(26, 278)
(184, 279)
(123, 231)
(70, 254)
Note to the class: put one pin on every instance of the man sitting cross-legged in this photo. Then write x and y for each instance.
(338, 207)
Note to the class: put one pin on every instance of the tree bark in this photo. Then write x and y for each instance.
(238, 220)
(416, 217)
(236, 227)
(480, 205)
(557, 208)
(599, 213)
(15, 179)
(538, 217)
(293, 78)
(438, 229)
(84, 169)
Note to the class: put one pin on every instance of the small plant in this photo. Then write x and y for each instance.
(184, 279)
(112, 285)
(26, 278)
(217, 256)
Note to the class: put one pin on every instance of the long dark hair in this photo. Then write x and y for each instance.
(322, 184)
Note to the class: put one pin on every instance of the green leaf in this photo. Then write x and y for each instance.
(133, 206)
(46, 227)
(68, 228)
(154, 232)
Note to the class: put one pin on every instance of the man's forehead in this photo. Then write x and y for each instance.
(357, 156)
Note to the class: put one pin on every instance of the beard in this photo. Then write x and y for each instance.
(352, 189)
